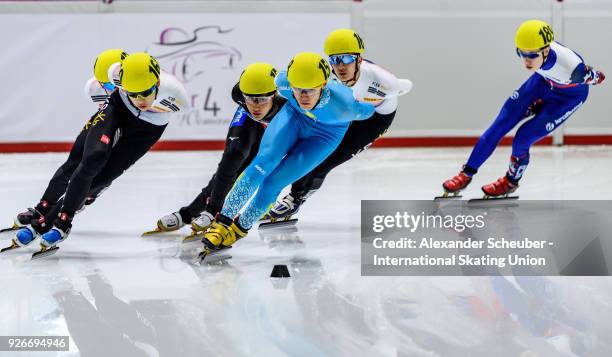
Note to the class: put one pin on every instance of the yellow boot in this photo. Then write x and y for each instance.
(222, 231)
(221, 234)
(236, 233)
(216, 234)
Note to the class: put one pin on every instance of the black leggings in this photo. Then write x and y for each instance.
(241, 146)
(111, 141)
(359, 136)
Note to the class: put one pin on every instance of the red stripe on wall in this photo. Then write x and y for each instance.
(441, 142)
(185, 145)
(34, 147)
(587, 139)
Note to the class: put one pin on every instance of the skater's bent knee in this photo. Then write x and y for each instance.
(93, 163)
(267, 193)
(236, 153)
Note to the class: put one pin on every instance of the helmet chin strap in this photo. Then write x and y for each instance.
(544, 57)
(157, 88)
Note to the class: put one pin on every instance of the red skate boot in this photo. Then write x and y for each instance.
(500, 188)
(453, 186)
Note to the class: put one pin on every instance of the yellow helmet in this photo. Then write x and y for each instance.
(533, 35)
(308, 70)
(105, 60)
(343, 41)
(258, 78)
(139, 72)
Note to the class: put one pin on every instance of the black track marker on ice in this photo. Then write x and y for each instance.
(280, 271)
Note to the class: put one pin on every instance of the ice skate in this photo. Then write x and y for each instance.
(215, 255)
(219, 236)
(49, 242)
(497, 191)
(13, 245)
(45, 252)
(454, 186)
(22, 220)
(57, 234)
(280, 215)
(168, 223)
(8, 229)
(198, 226)
(266, 217)
(24, 236)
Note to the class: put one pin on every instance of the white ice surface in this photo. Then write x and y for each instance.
(117, 294)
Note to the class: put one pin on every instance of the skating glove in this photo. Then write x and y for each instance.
(595, 77)
(534, 108)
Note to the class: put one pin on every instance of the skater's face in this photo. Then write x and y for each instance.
(345, 66)
(144, 100)
(533, 60)
(307, 98)
(259, 106)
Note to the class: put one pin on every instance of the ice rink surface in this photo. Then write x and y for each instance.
(117, 294)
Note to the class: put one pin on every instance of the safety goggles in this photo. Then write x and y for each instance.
(305, 91)
(260, 99)
(109, 86)
(143, 94)
(344, 59)
(528, 54)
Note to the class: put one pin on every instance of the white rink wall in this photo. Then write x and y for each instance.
(459, 54)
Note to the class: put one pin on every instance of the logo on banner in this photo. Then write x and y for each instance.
(204, 60)
(192, 54)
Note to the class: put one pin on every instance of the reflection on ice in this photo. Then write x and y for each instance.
(118, 294)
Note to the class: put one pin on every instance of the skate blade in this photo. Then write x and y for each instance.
(44, 252)
(278, 224)
(485, 201)
(448, 196)
(208, 256)
(193, 237)
(150, 233)
(13, 228)
(13, 246)
(156, 231)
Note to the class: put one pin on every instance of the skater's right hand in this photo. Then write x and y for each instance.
(534, 108)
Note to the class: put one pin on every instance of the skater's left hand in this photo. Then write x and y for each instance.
(597, 77)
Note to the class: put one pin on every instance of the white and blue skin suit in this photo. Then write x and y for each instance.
(294, 143)
(562, 86)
